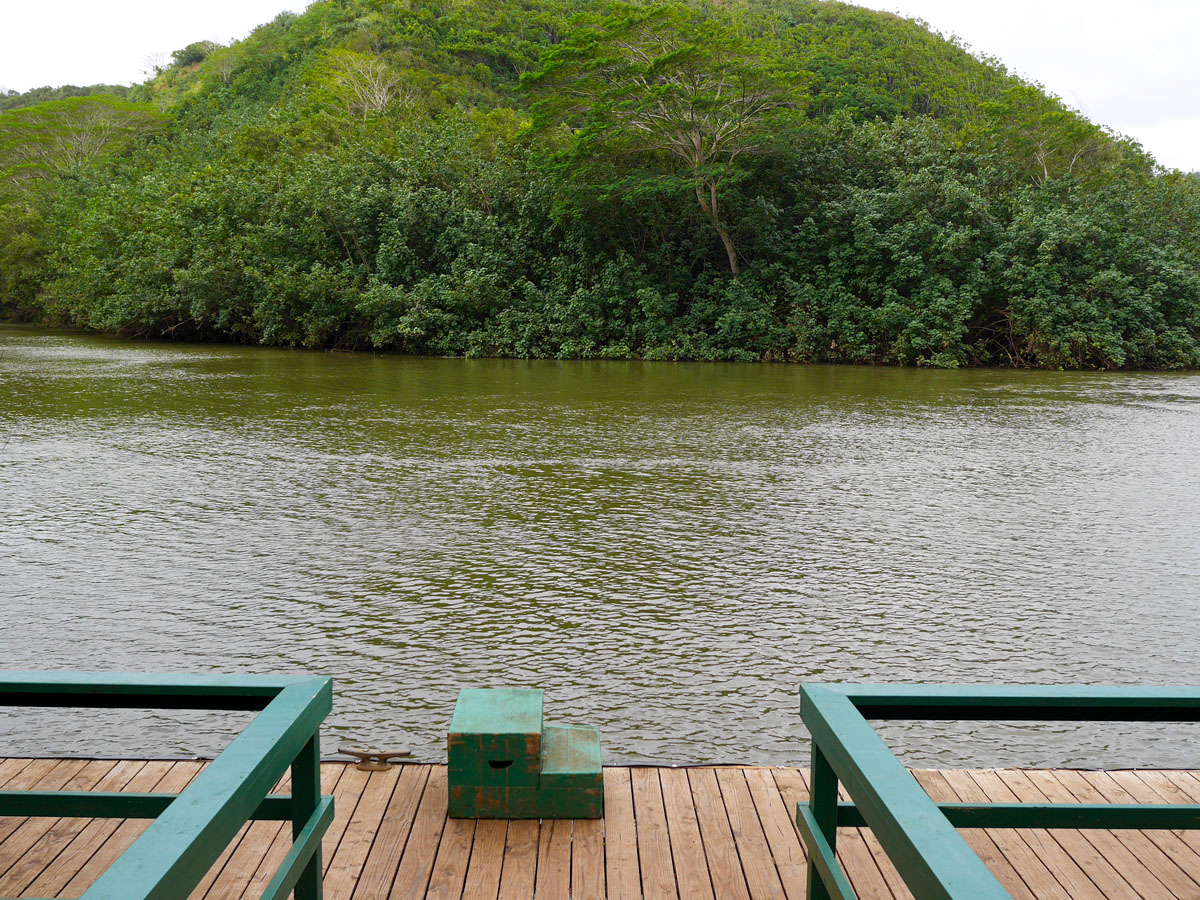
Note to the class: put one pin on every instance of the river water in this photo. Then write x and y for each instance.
(667, 549)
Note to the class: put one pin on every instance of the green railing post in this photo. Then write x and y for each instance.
(306, 794)
(823, 800)
(919, 836)
(191, 829)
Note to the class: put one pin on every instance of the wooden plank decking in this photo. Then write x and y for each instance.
(705, 833)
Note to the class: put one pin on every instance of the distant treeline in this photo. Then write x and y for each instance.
(19, 100)
(787, 180)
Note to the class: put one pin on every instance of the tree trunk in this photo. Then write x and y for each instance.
(730, 250)
(709, 207)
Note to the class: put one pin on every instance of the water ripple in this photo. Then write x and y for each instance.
(668, 549)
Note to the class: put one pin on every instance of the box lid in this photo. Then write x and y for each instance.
(497, 711)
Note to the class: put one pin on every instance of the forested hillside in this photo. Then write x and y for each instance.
(758, 179)
(21, 99)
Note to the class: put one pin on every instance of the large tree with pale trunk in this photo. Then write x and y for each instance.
(677, 93)
(366, 83)
(44, 142)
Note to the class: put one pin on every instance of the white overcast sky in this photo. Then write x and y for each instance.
(1134, 66)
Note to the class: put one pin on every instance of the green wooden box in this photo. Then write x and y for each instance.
(495, 738)
(572, 785)
(504, 763)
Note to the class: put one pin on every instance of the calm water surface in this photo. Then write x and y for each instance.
(668, 549)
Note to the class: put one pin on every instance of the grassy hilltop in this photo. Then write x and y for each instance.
(755, 179)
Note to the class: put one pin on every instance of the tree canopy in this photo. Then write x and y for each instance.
(50, 139)
(19, 99)
(688, 84)
(793, 180)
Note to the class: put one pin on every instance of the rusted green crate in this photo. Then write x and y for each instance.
(504, 763)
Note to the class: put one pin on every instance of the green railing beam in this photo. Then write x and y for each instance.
(920, 836)
(830, 879)
(117, 805)
(306, 846)
(932, 858)
(191, 829)
(137, 691)
(1032, 703)
(1148, 817)
(182, 843)
(306, 800)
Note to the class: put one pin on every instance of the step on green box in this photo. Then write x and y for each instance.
(505, 764)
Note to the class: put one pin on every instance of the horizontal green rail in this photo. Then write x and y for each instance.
(1029, 703)
(191, 829)
(113, 805)
(1141, 817)
(919, 835)
(821, 858)
(305, 846)
(143, 691)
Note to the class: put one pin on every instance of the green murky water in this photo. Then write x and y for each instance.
(668, 549)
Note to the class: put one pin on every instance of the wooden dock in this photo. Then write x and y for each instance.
(709, 832)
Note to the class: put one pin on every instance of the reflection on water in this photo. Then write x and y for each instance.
(668, 549)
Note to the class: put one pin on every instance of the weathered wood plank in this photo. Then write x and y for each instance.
(91, 838)
(1128, 787)
(1102, 873)
(748, 837)
(330, 775)
(379, 870)
(176, 777)
(42, 775)
(778, 824)
(49, 837)
(1053, 855)
(10, 768)
(620, 837)
(218, 867)
(653, 840)
(450, 864)
(1175, 787)
(487, 860)
(720, 849)
(1187, 781)
(63, 833)
(215, 870)
(687, 847)
(240, 866)
(253, 843)
(587, 860)
(993, 846)
(228, 876)
(346, 797)
(342, 868)
(1139, 860)
(520, 860)
(554, 860)
(416, 865)
(860, 864)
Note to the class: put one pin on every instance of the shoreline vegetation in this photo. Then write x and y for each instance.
(792, 180)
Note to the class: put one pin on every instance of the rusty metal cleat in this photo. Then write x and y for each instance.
(374, 760)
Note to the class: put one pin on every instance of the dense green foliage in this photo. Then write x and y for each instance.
(787, 180)
(19, 100)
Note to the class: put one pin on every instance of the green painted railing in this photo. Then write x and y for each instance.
(191, 829)
(918, 834)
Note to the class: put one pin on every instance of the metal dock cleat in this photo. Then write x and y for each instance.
(374, 760)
